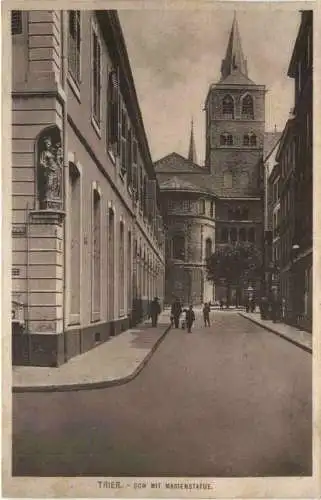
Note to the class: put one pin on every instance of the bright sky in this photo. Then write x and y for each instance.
(175, 56)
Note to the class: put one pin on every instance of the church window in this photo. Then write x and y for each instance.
(233, 234)
(244, 179)
(212, 209)
(242, 234)
(208, 248)
(16, 22)
(247, 107)
(228, 180)
(224, 235)
(228, 107)
(202, 207)
(226, 140)
(252, 139)
(251, 235)
(179, 247)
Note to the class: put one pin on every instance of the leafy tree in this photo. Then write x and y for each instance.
(234, 265)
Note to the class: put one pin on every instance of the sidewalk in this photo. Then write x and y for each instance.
(114, 362)
(298, 337)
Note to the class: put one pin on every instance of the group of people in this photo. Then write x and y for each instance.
(187, 322)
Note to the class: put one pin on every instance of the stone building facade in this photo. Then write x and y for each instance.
(235, 134)
(88, 238)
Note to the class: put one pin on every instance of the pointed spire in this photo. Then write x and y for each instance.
(234, 58)
(192, 149)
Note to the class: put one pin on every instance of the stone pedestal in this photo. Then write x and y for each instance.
(45, 311)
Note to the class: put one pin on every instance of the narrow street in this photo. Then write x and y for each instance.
(230, 400)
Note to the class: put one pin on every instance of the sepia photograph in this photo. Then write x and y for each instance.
(162, 245)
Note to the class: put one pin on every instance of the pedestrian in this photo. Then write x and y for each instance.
(176, 311)
(264, 306)
(155, 310)
(221, 304)
(206, 314)
(190, 318)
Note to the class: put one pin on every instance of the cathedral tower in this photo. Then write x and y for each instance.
(234, 124)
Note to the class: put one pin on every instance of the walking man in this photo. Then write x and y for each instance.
(176, 311)
(155, 310)
(206, 314)
(190, 318)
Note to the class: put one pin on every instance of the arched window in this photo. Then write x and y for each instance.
(233, 234)
(246, 140)
(226, 139)
(242, 234)
(208, 248)
(121, 269)
(75, 242)
(111, 263)
(202, 206)
(228, 179)
(96, 254)
(228, 107)
(245, 214)
(179, 247)
(251, 235)
(212, 209)
(224, 235)
(252, 140)
(247, 107)
(244, 179)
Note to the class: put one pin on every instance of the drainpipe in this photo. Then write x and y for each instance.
(64, 60)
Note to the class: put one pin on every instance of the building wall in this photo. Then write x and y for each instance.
(77, 286)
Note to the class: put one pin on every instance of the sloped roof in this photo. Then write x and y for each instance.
(236, 78)
(270, 141)
(175, 162)
(186, 182)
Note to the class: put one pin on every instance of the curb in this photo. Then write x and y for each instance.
(266, 327)
(95, 385)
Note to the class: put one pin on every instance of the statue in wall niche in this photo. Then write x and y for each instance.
(50, 156)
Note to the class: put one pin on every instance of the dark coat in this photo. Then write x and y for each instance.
(176, 309)
(190, 316)
(155, 308)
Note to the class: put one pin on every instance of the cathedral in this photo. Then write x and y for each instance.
(220, 203)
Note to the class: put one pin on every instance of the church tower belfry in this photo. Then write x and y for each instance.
(235, 123)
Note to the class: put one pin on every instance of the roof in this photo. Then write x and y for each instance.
(234, 63)
(175, 162)
(186, 182)
(236, 78)
(271, 139)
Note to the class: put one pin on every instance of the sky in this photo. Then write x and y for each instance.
(175, 55)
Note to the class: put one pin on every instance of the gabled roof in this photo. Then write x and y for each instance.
(175, 162)
(271, 139)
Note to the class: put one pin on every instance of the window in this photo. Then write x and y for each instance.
(202, 207)
(135, 169)
(224, 235)
(233, 235)
(121, 268)
(251, 235)
(186, 205)
(112, 109)
(129, 166)
(74, 44)
(242, 234)
(208, 248)
(16, 22)
(228, 180)
(247, 107)
(252, 139)
(145, 195)
(179, 247)
(96, 257)
(96, 77)
(123, 150)
(75, 243)
(228, 107)
(226, 140)
(245, 214)
(212, 209)
(244, 179)
(111, 264)
(141, 187)
(246, 140)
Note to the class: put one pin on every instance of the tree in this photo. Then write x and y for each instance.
(234, 265)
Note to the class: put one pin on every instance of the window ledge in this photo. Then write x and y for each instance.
(111, 155)
(74, 87)
(96, 127)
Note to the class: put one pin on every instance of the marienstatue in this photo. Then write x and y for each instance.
(50, 163)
